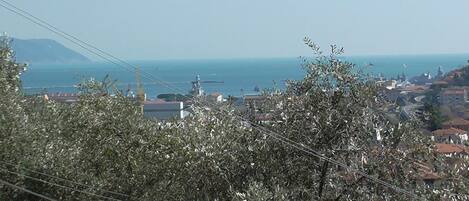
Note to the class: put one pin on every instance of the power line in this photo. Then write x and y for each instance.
(321, 156)
(87, 46)
(27, 191)
(58, 185)
(61, 34)
(90, 49)
(256, 126)
(62, 179)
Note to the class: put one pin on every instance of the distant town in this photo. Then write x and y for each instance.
(440, 100)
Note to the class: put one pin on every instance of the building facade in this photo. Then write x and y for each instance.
(453, 96)
(164, 110)
(450, 136)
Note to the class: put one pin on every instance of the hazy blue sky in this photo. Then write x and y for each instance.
(156, 29)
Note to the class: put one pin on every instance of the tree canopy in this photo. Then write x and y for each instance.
(108, 149)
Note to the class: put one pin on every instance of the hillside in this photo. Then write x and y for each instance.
(45, 51)
(458, 77)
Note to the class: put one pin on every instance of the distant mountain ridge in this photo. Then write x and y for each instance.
(45, 51)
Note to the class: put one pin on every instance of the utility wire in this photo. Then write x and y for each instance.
(321, 156)
(26, 190)
(62, 179)
(95, 52)
(256, 126)
(57, 185)
(87, 46)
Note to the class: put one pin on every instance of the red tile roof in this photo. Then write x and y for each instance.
(451, 149)
(453, 92)
(456, 122)
(450, 131)
(440, 82)
(429, 176)
(415, 88)
(426, 172)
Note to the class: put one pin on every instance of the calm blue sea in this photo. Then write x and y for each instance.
(239, 75)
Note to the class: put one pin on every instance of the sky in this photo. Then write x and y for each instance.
(188, 29)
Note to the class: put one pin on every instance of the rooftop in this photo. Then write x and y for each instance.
(415, 88)
(456, 122)
(254, 97)
(426, 172)
(160, 101)
(450, 131)
(216, 94)
(430, 176)
(441, 82)
(454, 92)
(451, 149)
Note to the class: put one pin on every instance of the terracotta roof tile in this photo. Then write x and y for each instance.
(456, 122)
(453, 92)
(426, 172)
(440, 82)
(451, 149)
(415, 88)
(450, 131)
(429, 176)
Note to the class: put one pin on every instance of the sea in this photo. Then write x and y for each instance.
(234, 77)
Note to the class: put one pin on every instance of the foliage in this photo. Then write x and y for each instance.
(460, 77)
(336, 110)
(104, 141)
(92, 86)
(432, 116)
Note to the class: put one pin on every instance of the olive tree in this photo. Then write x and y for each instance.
(336, 110)
(104, 141)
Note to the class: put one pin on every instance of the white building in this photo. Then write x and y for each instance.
(216, 97)
(390, 84)
(164, 110)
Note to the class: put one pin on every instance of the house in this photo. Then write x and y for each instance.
(430, 179)
(415, 89)
(216, 97)
(163, 110)
(440, 83)
(450, 135)
(403, 84)
(427, 175)
(457, 123)
(453, 96)
(390, 84)
(452, 150)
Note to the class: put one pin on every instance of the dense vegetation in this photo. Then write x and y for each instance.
(431, 107)
(104, 142)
